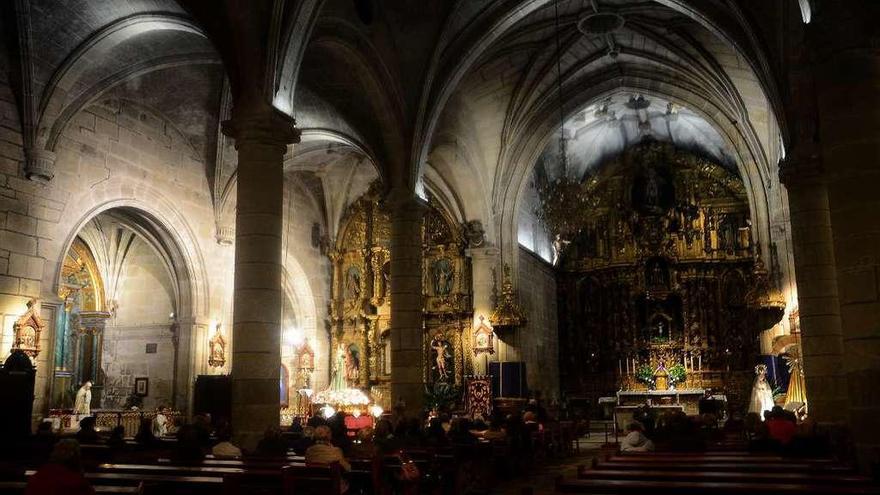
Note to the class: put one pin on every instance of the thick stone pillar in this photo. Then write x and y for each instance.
(407, 361)
(822, 337)
(261, 139)
(848, 90)
(483, 260)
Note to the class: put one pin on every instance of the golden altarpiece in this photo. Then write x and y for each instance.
(360, 307)
(658, 284)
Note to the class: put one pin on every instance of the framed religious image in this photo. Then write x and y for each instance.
(142, 386)
(484, 338)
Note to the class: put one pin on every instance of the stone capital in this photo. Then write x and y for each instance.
(40, 165)
(404, 203)
(802, 166)
(483, 253)
(265, 126)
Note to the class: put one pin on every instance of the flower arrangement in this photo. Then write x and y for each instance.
(677, 374)
(645, 374)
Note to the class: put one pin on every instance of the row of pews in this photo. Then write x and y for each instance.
(718, 472)
(152, 474)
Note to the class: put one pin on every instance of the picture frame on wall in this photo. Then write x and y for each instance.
(142, 386)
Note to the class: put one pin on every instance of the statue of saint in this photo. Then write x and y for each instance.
(353, 283)
(352, 365)
(443, 277)
(82, 406)
(439, 347)
(762, 394)
(338, 381)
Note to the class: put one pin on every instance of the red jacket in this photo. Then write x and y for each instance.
(781, 430)
(55, 479)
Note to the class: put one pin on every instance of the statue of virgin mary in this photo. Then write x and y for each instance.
(338, 382)
(762, 394)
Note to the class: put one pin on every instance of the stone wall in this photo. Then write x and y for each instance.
(538, 340)
(144, 304)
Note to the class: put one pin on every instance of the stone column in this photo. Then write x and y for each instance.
(407, 360)
(261, 139)
(483, 260)
(848, 90)
(813, 248)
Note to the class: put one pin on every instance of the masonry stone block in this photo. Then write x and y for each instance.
(18, 243)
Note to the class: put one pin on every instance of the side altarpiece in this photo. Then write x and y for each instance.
(360, 307)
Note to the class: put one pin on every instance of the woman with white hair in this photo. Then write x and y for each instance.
(323, 451)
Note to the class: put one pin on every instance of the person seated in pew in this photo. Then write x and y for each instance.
(116, 440)
(495, 433)
(635, 440)
(272, 444)
(43, 442)
(87, 432)
(188, 448)
(383, 437)
(62, 474)
(301, 444)
(323, 452)
(780, 426)
(435, 436)
(363, 447)
(225, 449)
(160, 423)
(144, 436)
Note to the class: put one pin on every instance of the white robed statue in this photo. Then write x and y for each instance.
(338, 382)
(762, 394)
(82, 406)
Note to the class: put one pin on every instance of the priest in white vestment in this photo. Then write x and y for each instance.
(82, 406)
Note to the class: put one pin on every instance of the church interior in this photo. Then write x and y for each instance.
(445, 246)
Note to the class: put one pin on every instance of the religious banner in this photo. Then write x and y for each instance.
(478, 396)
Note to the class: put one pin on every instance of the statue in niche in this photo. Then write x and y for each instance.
(353, 283)
(443, 277)
(307, 357)
(441, 358)
(652, 189)
(217, 349)
(386, 279)
(338, 381)
(558, 245)
(352, 364)
(657, 276)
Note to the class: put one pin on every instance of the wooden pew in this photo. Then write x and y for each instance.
(156, 483)
(727, 476)
(317, 480)
(747, 467)
(682, 487)
(18, 487)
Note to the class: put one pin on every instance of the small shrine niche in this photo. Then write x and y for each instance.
(217, 349)
(484, 338)
(27, 330)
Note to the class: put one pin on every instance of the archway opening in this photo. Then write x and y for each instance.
(126, 290)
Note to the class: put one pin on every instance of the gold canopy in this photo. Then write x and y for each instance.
(508, 313)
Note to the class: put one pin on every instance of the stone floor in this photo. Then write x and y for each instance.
(542, 478)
